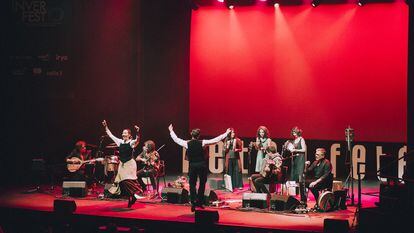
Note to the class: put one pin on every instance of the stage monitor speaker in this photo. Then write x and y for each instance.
(64, 206)
(255, 200)
(206, 216)
(393, 196)
(175, 195)
(283, 202)
(74, 188)
(210, 196)
(335, 226)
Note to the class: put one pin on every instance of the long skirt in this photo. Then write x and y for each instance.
(126, 183)
(234, 171)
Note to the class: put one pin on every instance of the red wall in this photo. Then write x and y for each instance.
(319, 68)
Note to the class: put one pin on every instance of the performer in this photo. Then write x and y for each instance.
(198, 164)
(322, 175)
(78, 154)
(231, 148)
(298, 155)
(271, 171)
(262, 143)
(149, 159)
(127, 169)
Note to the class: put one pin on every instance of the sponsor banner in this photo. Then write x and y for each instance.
(366, 152)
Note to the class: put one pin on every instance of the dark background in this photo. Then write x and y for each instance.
(127, 63)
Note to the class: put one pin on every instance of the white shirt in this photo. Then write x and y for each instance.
(119, 141)
(204, 142)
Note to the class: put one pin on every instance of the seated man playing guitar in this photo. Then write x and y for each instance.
(74, 161)
(270, 172)
(149, 159)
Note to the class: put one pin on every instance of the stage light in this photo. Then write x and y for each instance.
(229, 4)
(315, 3)
(220, 0)
(361, 3)
(276, 5)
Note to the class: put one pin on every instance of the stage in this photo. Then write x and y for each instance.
(161, 216)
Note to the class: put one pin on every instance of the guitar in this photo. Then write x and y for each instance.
(74, 163)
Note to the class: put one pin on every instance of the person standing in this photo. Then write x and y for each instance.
(262, 143)
(198, 166)
(298, 155)
(126, 178)
(231, 150)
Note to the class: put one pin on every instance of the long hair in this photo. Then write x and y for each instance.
(229, 135)
(150, 145)
(79, 144)
(266, 131)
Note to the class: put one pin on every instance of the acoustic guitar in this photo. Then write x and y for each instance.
(74, 163)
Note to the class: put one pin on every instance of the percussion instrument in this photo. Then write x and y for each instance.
(326, 201)
(111, 163)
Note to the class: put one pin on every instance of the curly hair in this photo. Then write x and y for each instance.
(296, 130)
(150, 145)
(266, 131)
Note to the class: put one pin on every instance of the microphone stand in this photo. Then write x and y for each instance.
(349, 136)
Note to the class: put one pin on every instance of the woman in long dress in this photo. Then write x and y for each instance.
(262, 143)
(232, 148)
(126, 178)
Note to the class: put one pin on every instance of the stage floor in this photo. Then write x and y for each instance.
(155, 210)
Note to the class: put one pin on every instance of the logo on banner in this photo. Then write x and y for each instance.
(37, 12)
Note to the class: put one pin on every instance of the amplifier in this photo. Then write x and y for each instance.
(283, 202)
(74, 188)
(175, 195)
(255, 200)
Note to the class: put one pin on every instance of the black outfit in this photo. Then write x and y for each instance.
(197, 169)
(298, 163)
(322, 170)
(78, 175)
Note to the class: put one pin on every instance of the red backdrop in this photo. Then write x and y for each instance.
(320, 68)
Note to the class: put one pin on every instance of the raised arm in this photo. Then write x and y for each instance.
(176, 139)
(134, 142)
(109, 133)
(216, 139)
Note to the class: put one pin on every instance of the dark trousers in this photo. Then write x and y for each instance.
(315, 190)
(259, 181)
(151, 173)
(197, 170)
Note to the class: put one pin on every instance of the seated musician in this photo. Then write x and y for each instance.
(149, 159)
(270, 172)
(74, 159)
(322, 177)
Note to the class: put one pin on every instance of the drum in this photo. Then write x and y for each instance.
(111, 163)
(326, 201)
